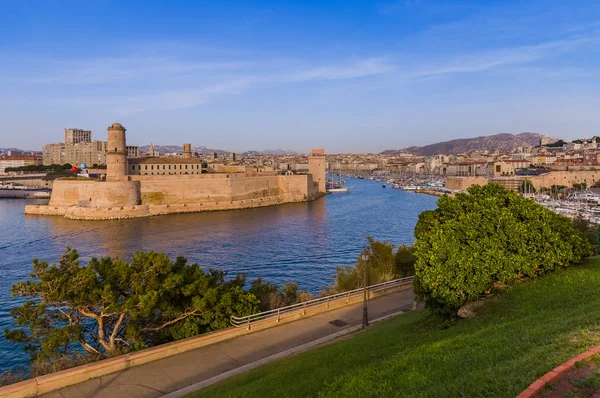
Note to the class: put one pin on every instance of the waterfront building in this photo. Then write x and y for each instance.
(18, 161)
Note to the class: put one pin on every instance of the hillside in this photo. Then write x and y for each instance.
(503, 142)
(525, 332)
(272, 152)
(162, 149)
(16, 150)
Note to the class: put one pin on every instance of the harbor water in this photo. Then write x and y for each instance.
(301, 242)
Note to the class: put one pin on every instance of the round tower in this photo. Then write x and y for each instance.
(116, 154)
(187, 151)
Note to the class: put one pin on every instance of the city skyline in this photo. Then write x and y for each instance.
(350, 77)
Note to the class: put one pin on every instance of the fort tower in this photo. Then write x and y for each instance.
(116, 154)
(187, 151)
(316, 168)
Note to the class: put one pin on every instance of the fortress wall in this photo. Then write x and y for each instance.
(296, 185)
(88, 193)
(255, 187)
(45, 210)
(462, 183)
(104, 213)
(566, 178)
(162, 190)
(174, 190)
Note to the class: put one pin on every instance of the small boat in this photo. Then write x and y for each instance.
(333, 190)
(383, 186)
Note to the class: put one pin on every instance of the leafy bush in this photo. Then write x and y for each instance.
(405, 260)
(271, 296)
(589, 231)
(40, 168)
(487, 237)
(380, 268)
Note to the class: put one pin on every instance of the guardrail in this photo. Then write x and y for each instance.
(247, 321)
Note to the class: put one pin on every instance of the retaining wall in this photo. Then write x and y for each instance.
(54, 381)
(124, 212)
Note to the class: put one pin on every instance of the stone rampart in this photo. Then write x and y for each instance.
(547, 180)
(145, 195)
(91, 193)
(462, 183)
(123, 212)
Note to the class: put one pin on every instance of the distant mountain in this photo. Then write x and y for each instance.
(272, 152)
(162, 149)
(502, 142)
(5, 150)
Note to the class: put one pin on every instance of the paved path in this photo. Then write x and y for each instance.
(157, 378)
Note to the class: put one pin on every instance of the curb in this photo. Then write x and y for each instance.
(537, 386)
(233, 372)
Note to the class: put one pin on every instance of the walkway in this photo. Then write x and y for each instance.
(155, 379)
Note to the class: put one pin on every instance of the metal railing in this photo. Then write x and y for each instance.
(279, 313)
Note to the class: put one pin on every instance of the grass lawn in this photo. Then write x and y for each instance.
(527, 331)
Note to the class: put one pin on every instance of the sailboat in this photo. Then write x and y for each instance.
(338, 188)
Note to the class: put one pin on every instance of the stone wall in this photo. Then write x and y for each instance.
(145, 195)
(68, 192)
(55, 381)
(123, 212)
(566, 178)
(180, 189)
(462, 183)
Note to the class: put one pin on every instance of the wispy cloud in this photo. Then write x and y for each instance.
(520, 55)
(172, 83)
(106, 70)
(357, 69)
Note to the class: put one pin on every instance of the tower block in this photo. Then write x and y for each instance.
(116, 155)
(316, 168)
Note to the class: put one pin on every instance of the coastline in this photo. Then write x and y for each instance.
(150, 210)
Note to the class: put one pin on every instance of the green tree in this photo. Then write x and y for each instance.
(405, 260)
(272, 296)
(110, 306)
(380, 268)
(487, 237)
(589, 231)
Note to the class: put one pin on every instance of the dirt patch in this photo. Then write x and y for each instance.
(582, 381)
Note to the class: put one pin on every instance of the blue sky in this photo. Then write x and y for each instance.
(348, 76)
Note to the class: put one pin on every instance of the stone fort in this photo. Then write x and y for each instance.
(155, 186)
